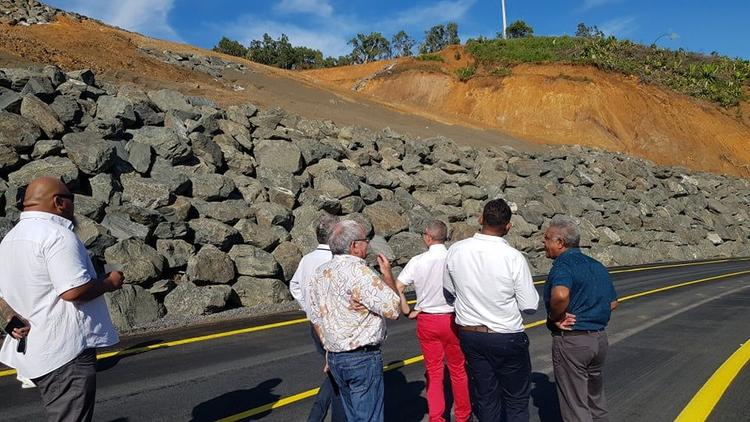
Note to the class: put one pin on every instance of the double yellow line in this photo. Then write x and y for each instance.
(712, 393)
(138, 350)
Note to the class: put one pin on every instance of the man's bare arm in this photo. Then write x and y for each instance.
(7, 313)
(558, 304)
(95, 288)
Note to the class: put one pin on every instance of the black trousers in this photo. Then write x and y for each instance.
(329, 395)
(69, 392)
(500, 371)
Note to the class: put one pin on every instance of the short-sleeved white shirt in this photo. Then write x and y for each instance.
(41, 259)
(299, 286)
(491, 282)
(425, 272)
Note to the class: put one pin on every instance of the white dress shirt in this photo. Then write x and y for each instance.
(41, 259)
(299, 286)
(425, 272)
(491, 282)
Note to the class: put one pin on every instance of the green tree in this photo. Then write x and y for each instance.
(402, 44)
(584, 31)
(370, 47)
(452, 33)
(438, 37)
(231, 47)
(519, 29)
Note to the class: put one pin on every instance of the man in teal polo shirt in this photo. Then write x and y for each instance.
(580, 298)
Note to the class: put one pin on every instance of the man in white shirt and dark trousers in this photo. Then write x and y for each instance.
(491, 285)
(436, 328)
(299, 286)
(47, 277)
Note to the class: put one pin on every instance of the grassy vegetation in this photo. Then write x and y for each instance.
(465, 73)
(712, 77)
(430, 58)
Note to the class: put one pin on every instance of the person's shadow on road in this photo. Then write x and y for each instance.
(238, 401)
(544, 398)
(136, 349)
(403, 400)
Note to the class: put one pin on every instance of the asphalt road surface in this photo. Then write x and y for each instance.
(665, 345)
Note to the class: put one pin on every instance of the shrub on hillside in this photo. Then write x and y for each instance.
(712, 77)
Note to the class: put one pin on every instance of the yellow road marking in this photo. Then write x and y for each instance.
(127, 352)
(415, 359)
(704, 401)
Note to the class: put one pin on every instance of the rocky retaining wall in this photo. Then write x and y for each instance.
(209, 209)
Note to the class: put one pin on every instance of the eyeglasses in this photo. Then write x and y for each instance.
(364, 239)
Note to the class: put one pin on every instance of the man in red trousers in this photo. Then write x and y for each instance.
(436, 329)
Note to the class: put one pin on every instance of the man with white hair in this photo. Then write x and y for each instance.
(580, 298)
(299, 286)
(348, 307)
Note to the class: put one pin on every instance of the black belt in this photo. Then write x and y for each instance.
(575, 332)
(368, 348)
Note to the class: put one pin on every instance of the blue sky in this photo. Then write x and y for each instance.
(704, 26)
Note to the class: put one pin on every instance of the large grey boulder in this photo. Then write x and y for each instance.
(8, 157)
(189, 300)
(405, 246)
(108, 107)
(254, 291)
(210, 266)
(89, 152)
(67, 109)
(337, 183)
(57, 167)
(167, 99)
(10, 100)
(140, 263)
(122, 227)
(145, 192)
(278, 155)
(269, 214)
(211, 187)
(253, 261)
(165, 142)
(176, 251)
(212, 232)
(288, 256)
(228, 211)
(131, 307)
(17, 131)
(42, 115)
(386, 219)
(94, 237)
(263, 237)
(140, 156)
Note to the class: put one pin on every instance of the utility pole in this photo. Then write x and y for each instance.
(505, 36)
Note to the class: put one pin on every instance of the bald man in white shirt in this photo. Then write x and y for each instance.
(47, 276)
(436, 328)
(490, 283)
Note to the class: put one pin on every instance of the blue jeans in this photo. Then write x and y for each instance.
(500, 371)
(328, 396)
(359, 376)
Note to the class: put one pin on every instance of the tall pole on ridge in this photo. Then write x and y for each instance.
(505, 37)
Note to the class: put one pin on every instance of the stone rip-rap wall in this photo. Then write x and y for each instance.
(209, 209)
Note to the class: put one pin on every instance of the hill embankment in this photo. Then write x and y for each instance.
(531, 106)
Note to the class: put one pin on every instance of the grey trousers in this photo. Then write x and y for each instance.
(69, 392)
(578, 361)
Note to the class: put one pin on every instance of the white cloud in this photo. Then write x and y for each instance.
(331, 40)
(619, 27)
(149, 17)
(590, 4)
(320, 8)
(436, 13)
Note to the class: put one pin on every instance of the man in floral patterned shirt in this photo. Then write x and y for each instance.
(348, 307)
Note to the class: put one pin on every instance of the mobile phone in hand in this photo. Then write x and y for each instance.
(14, 323)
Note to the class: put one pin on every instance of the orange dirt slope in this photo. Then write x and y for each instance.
(563, 104)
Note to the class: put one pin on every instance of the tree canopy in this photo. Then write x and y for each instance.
(438, 37)
(519, 29)
(370, 47)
